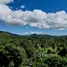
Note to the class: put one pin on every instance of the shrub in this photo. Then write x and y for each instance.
(55, 61)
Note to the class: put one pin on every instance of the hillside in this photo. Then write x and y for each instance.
(32, 50)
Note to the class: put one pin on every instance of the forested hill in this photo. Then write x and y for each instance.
(32, 50)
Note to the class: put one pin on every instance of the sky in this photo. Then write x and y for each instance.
(26, 17)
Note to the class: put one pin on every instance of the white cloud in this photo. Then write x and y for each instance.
(4, 12)
(33, 32)
(60, 29)
(5, 1)
(35, 18)
(22, 6)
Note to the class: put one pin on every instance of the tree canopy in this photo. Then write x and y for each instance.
(32, 50)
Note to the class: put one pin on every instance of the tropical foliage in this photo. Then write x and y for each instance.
(32, 50)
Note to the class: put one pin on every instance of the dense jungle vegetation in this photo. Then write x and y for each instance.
(32, 50)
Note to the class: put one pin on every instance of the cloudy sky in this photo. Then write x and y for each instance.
(34, 16)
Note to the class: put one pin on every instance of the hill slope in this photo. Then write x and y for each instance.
(32, 50)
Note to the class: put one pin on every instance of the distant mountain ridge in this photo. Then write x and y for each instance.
(9, 33)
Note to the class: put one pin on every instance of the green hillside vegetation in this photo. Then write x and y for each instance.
(32, 50)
